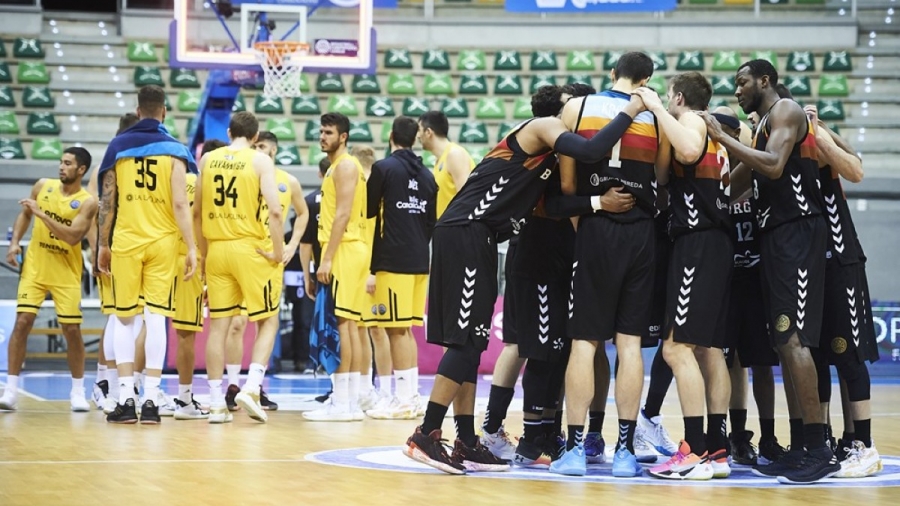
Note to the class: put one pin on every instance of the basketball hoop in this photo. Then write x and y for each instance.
(280, 61)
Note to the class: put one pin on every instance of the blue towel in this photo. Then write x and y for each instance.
(324, 339)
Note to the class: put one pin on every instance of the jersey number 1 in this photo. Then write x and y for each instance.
(224, 191)
(614, 160)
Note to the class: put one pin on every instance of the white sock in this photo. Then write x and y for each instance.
(184, 394)
(12, 385)
(353, 391)
(340, 396)
(78, 383)
(216, 397)
(101, 372)
(112, 376)
(365, 383)
(155, 344)
(234, 374)
(415, 381)
(255, 376)
(126, 388)
(384, 385)
(151, 389)
(404, 386)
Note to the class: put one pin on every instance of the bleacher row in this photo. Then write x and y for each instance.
(405, 83)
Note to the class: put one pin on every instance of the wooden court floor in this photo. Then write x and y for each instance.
(50, 456)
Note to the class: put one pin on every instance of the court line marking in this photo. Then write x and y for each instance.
(26, 393)
(155, 461)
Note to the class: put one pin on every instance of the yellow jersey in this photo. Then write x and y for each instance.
(356, 227)
(145, 212)
(446, 187)
(231, 202)
(283, 188)
(191, 183)
(49, 260)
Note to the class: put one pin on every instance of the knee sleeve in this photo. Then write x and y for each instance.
(460, 365)
(557, 379)
(155, 344)
(123, 341)
(823, 373)
(856, 375)
(109, 339)
(535, 386)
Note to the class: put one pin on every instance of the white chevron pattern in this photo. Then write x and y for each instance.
(802, 281)
(692, 211)
(488, 198)
(798, 194)
(572, 291)
(684, 297)
(468, 295)
(854, 318)
(543, 315)
(834, 221)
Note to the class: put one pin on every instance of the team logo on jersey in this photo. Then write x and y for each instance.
(839, 345)
(50, 189)
(382, 309)
(595, 180)
(782, 323)
(374, 309)
(75, 204)
(282, 187)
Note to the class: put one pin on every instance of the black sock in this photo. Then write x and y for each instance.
(498, 403)
(766, 429)
(863, 432)
(814, 436)
(548, 426)
(465, 429)
(595, 423)
(626, 434)
(716, 438)
(738, 420)
(532, 430)
(796, 433)
(693, 434)
(557, 422)
(576, 437)
(434, 417)
(660, 380)
(849, 437)
(829, 435)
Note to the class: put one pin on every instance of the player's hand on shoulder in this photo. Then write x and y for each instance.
(635, 106)
(649, 98)
(713, 127)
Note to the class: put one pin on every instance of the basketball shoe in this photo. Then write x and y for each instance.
(250, 402)
(123, 413)
(651, 430)
(499, 444)
(392, 409)
(150, 413)
(78, 401)
(329, 413)
(532, 454)
(860, 462)
(743, 451)
(644, 453)
(429, 450)
(572, 463)
(770, 451)
(99, 393)
(812, 467)
(230, 394)
(594, 448)
(625, 464)
(266, 403)
(772, 470)
(190, 411)
(477, 458)
(684, 465)
(220, 414)
(719, 462)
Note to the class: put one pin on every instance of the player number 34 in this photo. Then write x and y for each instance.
(224, 191)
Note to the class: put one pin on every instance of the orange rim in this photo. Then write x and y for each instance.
(276, 49)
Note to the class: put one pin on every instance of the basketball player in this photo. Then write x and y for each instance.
(143, 192)
(53, 264)
(792, 247)
(310, 249)
(453, 163)
(401, 194)
(500, 192)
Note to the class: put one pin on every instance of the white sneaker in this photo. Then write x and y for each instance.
(329, 413)
(98, 395)
(393, 409)
(250, 402)
(358, 415)
(499, 444)
(860, 462)
(9, 401)
(643, 452)
(190, 411)
(165, 404)
(369, 400)
(220, 414)
(654, 434)
(78, 400)
(109, 405)
(421, 405)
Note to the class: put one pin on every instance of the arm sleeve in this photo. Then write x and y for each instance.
(374, 191)
(558, 205)
(309, 235)
(593, 150)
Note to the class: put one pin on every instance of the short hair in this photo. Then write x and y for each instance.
(403, 131)
(82, 156)
(212, 145)
(759, 67)
(365, 154)
(436, 121)
(266, 136)
(783, 91)
(324, 164)
(579, 89)
(695, 89)
(243, 124)
(337, 120)
(151, 100)
(635, 66)
(547, 101)
(127, 121)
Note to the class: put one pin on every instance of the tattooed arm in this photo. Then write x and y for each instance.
(106, 217)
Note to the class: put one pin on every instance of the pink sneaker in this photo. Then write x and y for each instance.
(684, 465)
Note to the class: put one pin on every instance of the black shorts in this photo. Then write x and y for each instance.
(651, 337)
(844, 326)
(509, 292)
(612, 278)
(746, 334)
(462, 289)
(793, 276)
(698, 288)
(540, 322)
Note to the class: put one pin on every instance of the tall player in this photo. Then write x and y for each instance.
(53, 264)
(453, 163)
(143, 192)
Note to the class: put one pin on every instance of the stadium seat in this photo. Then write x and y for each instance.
(287, 155)
(428, 159)
(268, 105)
(42, 123)
(380, 107)
(168, 104)
(833, 86)
(386, 127)
(580, 61)
(605, 83)
(397, 59)
(837, 61)
(365, 83)
(7, 99)
(507, 60)
(658, 84)
(580, 78)
(315, 152)
(306, 104)
(810, 2)
(401, 84)
(37, 96)
(490, 108)
(726, 60)
(8, 123)
(32, 72)
(723, 85)
(141, 52)
(415, 106)
(610, 58)
(471, 59)
(477, 153)
(703, 2)
(2, 49)
(659, 60)
(473, 132)
(438, 84)
(184, 78)
(690, 60)
(46, 149)
(798, 85)
(504, 129)
(144, 75)
(543, 60)
(522, 108)
(508, 84)
(170, 125)
(240, 104)
(5, 74)
(344, 104)
(283, 129)
(189, 101)
(455, 107)
(717, 102)
(304, 83)
(436, 59)
(329, 82)
(473, 84)
(801, 61)
(769, 55)
(360, 131)
(541, 80)
(27, 48)
(830, 109)
(11, 149)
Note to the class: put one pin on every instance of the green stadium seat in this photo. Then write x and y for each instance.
(703, 2)
(455, 107)
(386, 127)
(8, 123)
(2, 49)
(726, 60)
(365, 83)
(830, 109)
(544, 60)
(717, 102)
(46, 149)
(507, 60)
(168, 104)
(415, 106)
(360, 131)
(768, 55)
(490, 108)
(401, 84)
(306, 104)
(504, 129)
(580, 78)
(287, 155)
(283, 129)
(436, 59)
(268, 105)
(834, 85)
(837, 61)
(170, 125)
(690, 60)
(605, 83)
(240, 104)
(471, 59)
(810, 2)
(33, 72)
(37, 96)
(344, 104)
(190, 126)
(658, 84)
(42, 123)
(5, 74)
(438, 84)
(801, 61)
(379, 107)
(329, 82)
(11, 149)
(315, 152)
(473, 132)
(27, 48)
(428, 159)
(834, 128)
(723, 85)
(141, 52)
(473, 84)
(7, 99)
(184, 78)
(799, 86)
(144, 75)
(611, 58)
(541, 80)
(659, 60)
(189, 101)
(397, 59)
(580, 61)
(304, 83)
(522, 108)
(477, 153)
(508, 84)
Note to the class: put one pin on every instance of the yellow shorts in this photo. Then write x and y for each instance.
(149, 272)
(350, 270)
(399, 300)
(67, 300)
(107, 300)
(188, 300)
(236, 275)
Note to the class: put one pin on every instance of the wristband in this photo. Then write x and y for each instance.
(596, 204)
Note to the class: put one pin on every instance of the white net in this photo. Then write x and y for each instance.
(281, 69)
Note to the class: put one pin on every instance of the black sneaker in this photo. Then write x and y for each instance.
(770, 451)
(124, 413)
(324, 398)
(149, 413)
(814, 466)
(789, 460)
(532, 454)
(265, 402)
(477, 458)
(743, 451)
(430, 451)
(842, 449)
(554, 446)
(232, 391)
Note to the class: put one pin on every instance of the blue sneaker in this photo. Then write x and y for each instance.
(594, 448)
(625, 465)
(572, 463)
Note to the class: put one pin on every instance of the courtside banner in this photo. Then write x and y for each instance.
(886, 316)
(589, 5)
(7, 322)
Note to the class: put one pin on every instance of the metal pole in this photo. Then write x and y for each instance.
(429, 9)
(756, 8)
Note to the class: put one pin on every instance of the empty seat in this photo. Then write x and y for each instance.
(306, 104)
(7, 99)
(490, 108)
(344, 104)
(32, 72)
(768, 55)
(379, 107)
(311, 131)
(455, 108)
(717, 102)
(438, 84)
(801, 61)
(8, 123)
(605, 83)
(37, 96)
(507, 60)
(508, 84)
(658, 84)
(315, 153)
(504, 129)
(27, 48)
(799, 86)
(610, 58)
(141, 52)
(304, 83)
(415, 106)
(170, 125)
(11, 149)
(329, 82)
(428, 159)
(473, 84)
(184, 78)
(287, 154)
(2, 49)
(189, 101)
(473, 132)
(397, 59)
(401, 84)
(477, 153)
(360, 131)
(522, 108)
(726, 60)
(365, 83)
(659, 60)
(690, 60)
(830, 109)
(580, 78)
(723, 85)
(436, 59)
(471, 59)
(386, 127)
(542, 80)
(833, 86)
(44, 148)
(544, 60)
(580, 61)
(5, 74)
(268, 105)
(283, 129)
(240, 104)
(144, 75)
(42, 123)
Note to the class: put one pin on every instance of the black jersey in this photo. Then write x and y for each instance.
(310, 235)
(546, 247)
(843, 243)
(699, 192)
(744, 235)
